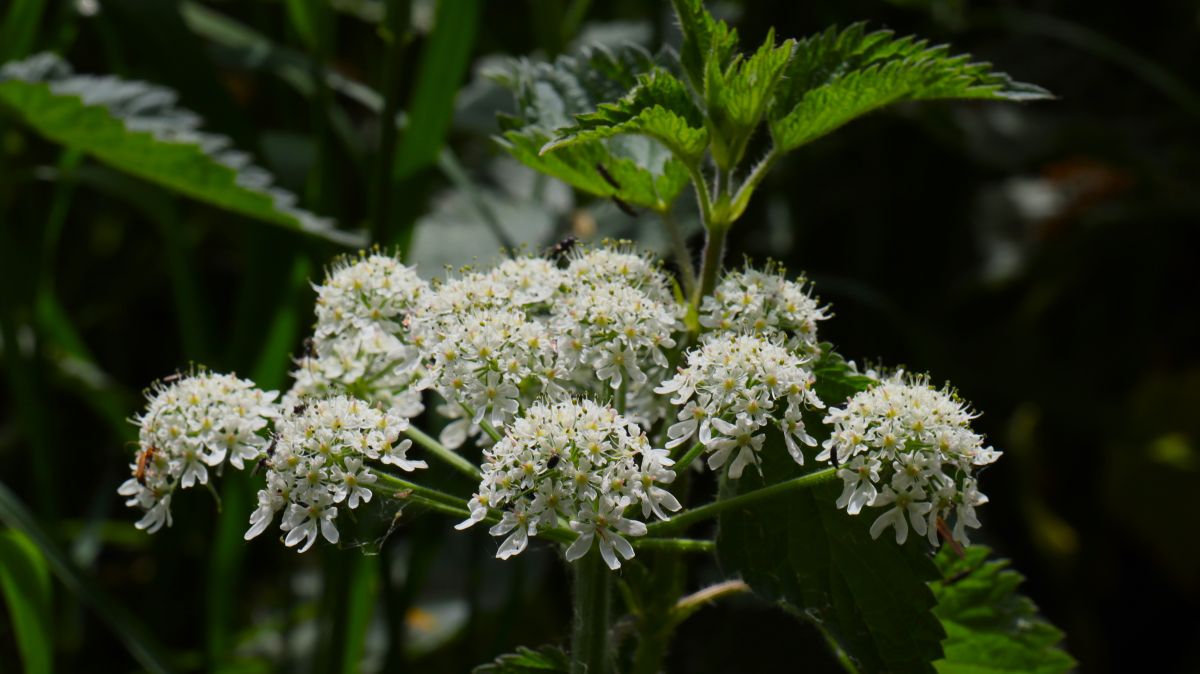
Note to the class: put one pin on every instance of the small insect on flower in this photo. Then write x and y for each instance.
(561, 249)
(308, 348)
(299, 408)
(553, 462)
(143, 461)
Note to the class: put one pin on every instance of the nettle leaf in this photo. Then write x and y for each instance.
(545, 660)
(738, 95)
(870, 598)
(839, 75)
(990, 629)
(638, 170)
(659, 107)
(705, 40)
(136, 127)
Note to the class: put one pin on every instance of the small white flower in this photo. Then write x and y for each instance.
(906, 443)
(191, 425)
(605, 524)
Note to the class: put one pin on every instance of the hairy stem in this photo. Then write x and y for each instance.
(711, 510)
(589, 638)
(444, 453)
(683, 257)
(687, 459)
(674, 544)
(714, 255)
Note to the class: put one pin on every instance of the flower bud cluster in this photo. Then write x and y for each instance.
(576, 461)
(318, 461)
(732, 389)
(363, 344)
(908, 447)
(190, 425)
(755, 301)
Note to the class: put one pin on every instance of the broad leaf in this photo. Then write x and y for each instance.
(990, 629)
(705, 40)
(839, 75)
(637, 170)
(25, 581)
(545, 660)
(869, 597)
(136, 127)
(659, 107)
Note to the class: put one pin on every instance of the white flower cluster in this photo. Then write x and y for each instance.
(317, 460)
(907, 445)
(732, 389)
(618, 263)
(190, 425)
(765, 302)
(363, 345)
(576, 461)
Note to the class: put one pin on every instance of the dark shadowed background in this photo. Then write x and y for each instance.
(1043, 258)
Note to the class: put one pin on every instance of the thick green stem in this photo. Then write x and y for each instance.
(674, 544)
(444, 453)
(711, 510)
(714, 255)
(589, 639)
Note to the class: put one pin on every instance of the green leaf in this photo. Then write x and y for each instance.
(737, 96)
(705, 41)
(25, 580)
(135, 127)
(837, 76)
(545, 660)
(869, 597)
(990, 629)
(659, 107)
(549, 96)
(19, 29)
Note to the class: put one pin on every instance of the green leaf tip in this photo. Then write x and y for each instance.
(136, 127)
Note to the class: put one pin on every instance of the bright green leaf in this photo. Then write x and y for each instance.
(638, 170)
(25, 580)
(545, 660)
(837, 76)
(737, 96)
(659, 107)
(990, 629)
(869, 597)
(135, 127)
(705, 41)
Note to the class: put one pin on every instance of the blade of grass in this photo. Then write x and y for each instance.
(360, 607)
(20, 29)
(148, 653)
(25, 580)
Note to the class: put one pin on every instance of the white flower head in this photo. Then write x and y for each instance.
(577, 461)
(904, 444)
(318, 463)
(732, 388)
(619, 262)
(363, 342)
(765, 302)
(196, 422)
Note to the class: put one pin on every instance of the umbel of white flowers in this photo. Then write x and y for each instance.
(561, 371)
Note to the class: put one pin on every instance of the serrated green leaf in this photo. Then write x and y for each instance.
(839, 75)
(659, 107)
(135, 127)
(545, 660)
(990, 629)
(550, 95)
(25, 581)
(737, 96)
(705, 40)
(869, 597)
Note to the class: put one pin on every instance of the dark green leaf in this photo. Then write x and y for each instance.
(839, 75)
(705, 40)
(20, 28)
(136, 128)
(635, 169)
(545, 660)
(869, 597)
(25, 580)
(990, 629)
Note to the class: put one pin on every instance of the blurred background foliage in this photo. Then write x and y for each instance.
(1041, 257)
